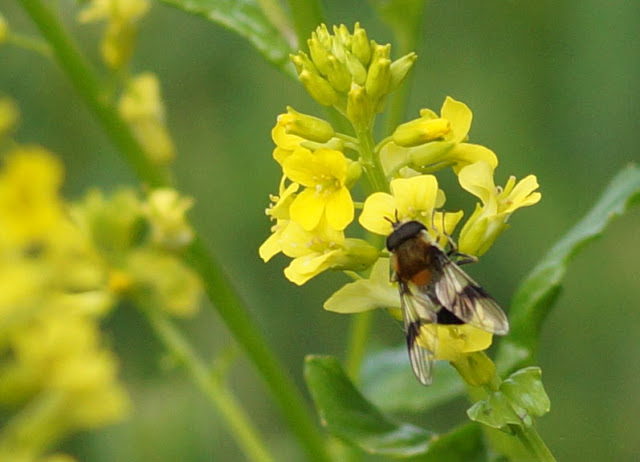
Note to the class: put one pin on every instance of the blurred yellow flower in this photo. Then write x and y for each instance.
(324, 174)
(142, 107)
(165, 209)
(30, 209)
(490, 219)
(121, 16)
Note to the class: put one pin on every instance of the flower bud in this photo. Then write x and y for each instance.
(359, 111)
(354, 171)
(306, 126)
(319, 54)
(318, 88)
(420, 131)
(357, 70)
(400, 68)
(302, 62)
(360, 45)
(378, 78)
(338, 75)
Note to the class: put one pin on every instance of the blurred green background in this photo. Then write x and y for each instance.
(554, 91)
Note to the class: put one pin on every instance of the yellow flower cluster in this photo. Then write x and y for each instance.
(62, 269)
(320, 167)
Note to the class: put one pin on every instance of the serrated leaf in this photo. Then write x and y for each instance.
(495, 411)
(245, 18)
(525, 390)
(537, 294)
(518, 398)
(349, 416)
(388, 381)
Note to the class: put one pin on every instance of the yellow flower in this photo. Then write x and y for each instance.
(434, 142)
(30, 209)
(165, 210)
(285, 142)
(413, 198)
(324, 174)
(490, 219)
(142, 107)
(121, 16)
(162, 281)
(324, 248)
(450, 342)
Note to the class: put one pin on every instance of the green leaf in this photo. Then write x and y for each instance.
(537, 294)
(518, 398)
(495, 411)
(388, 381)
(245, 18)
(349, 416)
(525, 391)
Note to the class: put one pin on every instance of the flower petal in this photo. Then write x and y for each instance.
(307, 208)
(339, 209)
(331, 162)
(415, 196)
(302, 269)
(300, 167)
(464, 154)
(378, 213)
(477, 178)
(460, 117)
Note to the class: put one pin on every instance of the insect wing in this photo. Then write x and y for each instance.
(463, 297)
(417, 310)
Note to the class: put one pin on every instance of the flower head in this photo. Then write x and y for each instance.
(341, 62)
(324, 173)
(324, 248)
(414, 198)
(490, 219)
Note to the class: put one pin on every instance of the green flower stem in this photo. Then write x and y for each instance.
(90, 89)
(357, 347)
(219, 289)
(213, 387)
(370, 161)
(531, 440)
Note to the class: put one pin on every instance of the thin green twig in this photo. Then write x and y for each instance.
(213, 387)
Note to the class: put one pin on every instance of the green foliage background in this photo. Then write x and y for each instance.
(553, 88)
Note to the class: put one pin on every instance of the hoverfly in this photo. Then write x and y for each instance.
(434, 290)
